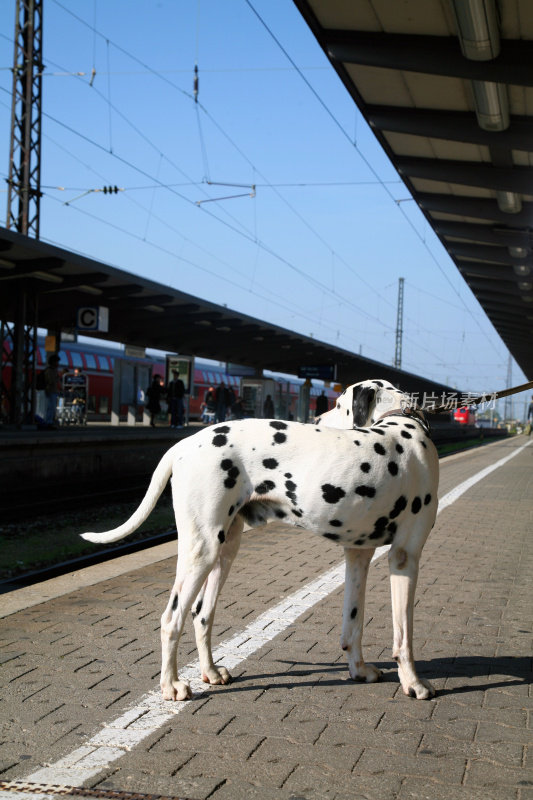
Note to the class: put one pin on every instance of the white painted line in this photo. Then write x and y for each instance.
(151, 711)
(454, 494)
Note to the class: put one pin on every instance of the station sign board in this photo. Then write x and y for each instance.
(323, 372)
(92, 318)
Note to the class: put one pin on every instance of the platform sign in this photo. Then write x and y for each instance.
(93, 318)
(323, 372)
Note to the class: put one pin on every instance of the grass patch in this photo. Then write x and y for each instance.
(453, 447)
(41, 543)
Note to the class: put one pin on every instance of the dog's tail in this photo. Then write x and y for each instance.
(159, 480)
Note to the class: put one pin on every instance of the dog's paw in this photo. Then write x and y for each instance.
(420, 689)
(366, 673)
(216, 676)
(177, 690)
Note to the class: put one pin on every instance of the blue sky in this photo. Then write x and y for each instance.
(320, 247)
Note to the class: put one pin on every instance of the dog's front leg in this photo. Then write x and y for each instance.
(403, 565)
(357, 564)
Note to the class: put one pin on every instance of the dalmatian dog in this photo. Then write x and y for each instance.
(365, 475)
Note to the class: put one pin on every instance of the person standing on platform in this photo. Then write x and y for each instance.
(153, 393)
(51, 380)
(221, 398)
(322, 404)
(268, 407)
(175, 395)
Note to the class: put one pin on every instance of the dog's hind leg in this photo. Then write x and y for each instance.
(357, 564)
(205, 604)
(403, 565)
(190, 575)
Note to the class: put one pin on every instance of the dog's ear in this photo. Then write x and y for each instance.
(362, 399)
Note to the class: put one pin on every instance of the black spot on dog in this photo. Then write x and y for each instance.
(393, 467)
(399, 506)
(270, 463)
(296, 513)
(279, 426)
(333, 536)
(290, 493)
(422, 442)
(264, 487)
(280, 514)
(318, 429)
(359, 542)
(332, 494)
(220, 440)
(406, 435)
(379, 526)
(197, 609)
(410, 425)
(427, 499)
(175, 602)
(365, 491)
(378, 383)
(338, 405)
(365, 466)
(380, 450)
(279, 438)
(391, 423)
(230, 482)
(288, 474)
(353, 613)
(378, 430)
(203, 620)
(231, 510)
(221, 537)
(399, 448)
(347, 412)
(361, 430)
(222, 429)
(416, 505)
(227, 465)
(392, 527)
(336, 523)
(357, 442)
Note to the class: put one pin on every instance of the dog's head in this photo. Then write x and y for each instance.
(363, 404)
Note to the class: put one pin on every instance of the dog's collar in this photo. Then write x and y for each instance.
(413, 413)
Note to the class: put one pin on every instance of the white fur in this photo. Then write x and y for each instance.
(353, 478)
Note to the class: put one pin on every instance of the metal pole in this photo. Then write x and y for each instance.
(399, 326)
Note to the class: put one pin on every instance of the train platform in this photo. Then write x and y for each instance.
(81, 711)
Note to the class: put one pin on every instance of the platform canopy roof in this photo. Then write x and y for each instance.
(148, 314)
(447, 87)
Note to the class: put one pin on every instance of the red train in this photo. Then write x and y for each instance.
(97, 362)
(465, 416)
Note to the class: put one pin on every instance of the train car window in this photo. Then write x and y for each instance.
(90, 360)
(104, 405)
(91, 403)
(77, 360)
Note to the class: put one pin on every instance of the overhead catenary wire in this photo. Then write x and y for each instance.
(361, 154)
(271, 185)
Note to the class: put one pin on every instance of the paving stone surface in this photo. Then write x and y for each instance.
(292, 724)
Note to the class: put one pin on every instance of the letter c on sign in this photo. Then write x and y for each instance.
(87, 318)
